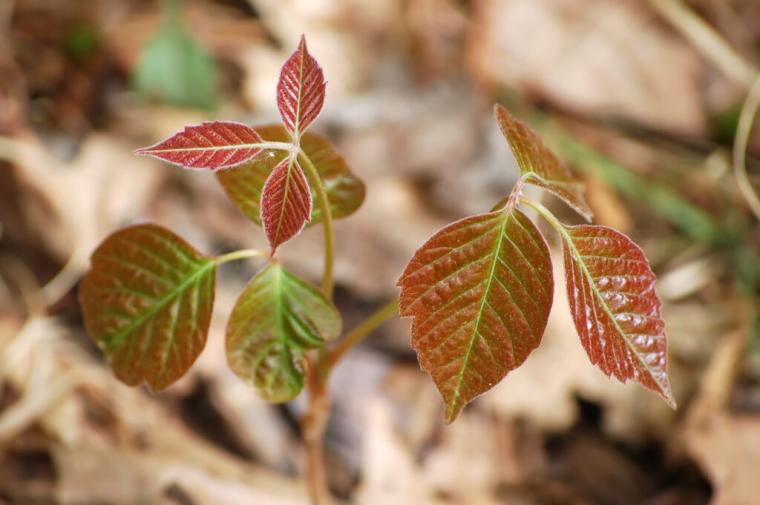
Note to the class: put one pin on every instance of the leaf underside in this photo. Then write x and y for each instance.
(480, 291)
(276, 319)
(147, 302)
(244, 183)
(616, 311)
(300, 90)
(285, 203)
(538, 165)
(211, 145)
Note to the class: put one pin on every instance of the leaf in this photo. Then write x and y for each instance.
(276, 319)
(616, 311)
(300, 91)
(538, 165)
(243, 184)
(480, 291)
(285, 203)
(212, 145)
(170, 60)
(147, 303)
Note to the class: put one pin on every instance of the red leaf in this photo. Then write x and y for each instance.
(300, 91)
(538, 165)
(616, 311)
(285, 203)
(212, 145)
(147, 302)
(480, 291)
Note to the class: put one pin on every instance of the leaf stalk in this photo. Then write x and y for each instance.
(327, 222)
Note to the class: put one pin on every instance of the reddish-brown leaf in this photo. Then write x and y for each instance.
(244, 183)
(538, 165)
(480, 291)
(211, 145)
(300, 91)
(147, 302)
(616, 311)
(285, 203)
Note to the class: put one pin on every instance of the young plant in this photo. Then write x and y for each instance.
(480, 290)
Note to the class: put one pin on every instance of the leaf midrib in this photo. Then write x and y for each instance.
(492, 270)
(117, 339)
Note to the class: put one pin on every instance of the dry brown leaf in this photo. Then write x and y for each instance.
(591, 56)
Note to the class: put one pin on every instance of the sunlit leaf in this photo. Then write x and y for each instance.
(616, 311)
(300, 91)
(285, 203)
(244, 183)
(212, 145)
(147, 302)
(538, 165)
(480, 291)
(276, 319)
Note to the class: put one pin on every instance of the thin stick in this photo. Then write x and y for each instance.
(706, 39)
(327, 222)
(360, 332)
(743, 131)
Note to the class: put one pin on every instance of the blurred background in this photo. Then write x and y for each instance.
(641, 97)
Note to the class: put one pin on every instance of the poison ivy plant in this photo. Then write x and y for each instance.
(479, 291)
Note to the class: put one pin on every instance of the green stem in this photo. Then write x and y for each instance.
(547, 215)
(327, 222)
(239, 255)
(743, 131)
(360, 332)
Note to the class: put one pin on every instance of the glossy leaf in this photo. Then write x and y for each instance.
(276, 319)
(300, 91)
(243, 184)
(480, 291)
(538, 165)
(285, 203)
(616, 311)
(147, 302)
(211, 145)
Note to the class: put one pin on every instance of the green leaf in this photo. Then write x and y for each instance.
(245, 183)
(480, 291)
(174, 68)
(147, 302)
(538, 165)
(274, 322)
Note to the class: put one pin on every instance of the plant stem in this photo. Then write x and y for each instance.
(743, 131)
(324, 205)
(313, 426)
(547, 215)
(239, 255)
(706, 39)
(360, 332)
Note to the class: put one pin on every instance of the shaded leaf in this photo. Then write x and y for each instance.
(212, 145)
(243, 184)
(300, 90)
(285, 203)
(480, 291)
(276, 319)
(616, 311)
(147, 302)
(538, 165)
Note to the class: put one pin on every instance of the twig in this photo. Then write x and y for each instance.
(706, 39)
(743, 131)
